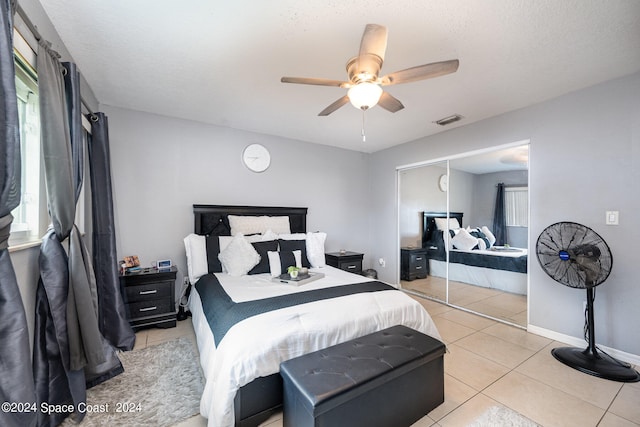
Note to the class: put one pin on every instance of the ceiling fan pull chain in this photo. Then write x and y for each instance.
(364, 137)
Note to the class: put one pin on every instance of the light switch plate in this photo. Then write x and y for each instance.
(612, 218)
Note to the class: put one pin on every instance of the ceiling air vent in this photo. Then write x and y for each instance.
(448, 120)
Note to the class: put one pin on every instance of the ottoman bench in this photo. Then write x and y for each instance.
(389, 378)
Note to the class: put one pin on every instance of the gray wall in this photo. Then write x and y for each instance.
(161, 166)
(584, 160)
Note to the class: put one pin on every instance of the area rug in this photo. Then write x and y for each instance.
(161, 386)
(501, 416)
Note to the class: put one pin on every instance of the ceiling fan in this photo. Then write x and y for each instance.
(364, 84)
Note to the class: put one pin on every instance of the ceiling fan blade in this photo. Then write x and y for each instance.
(390, 103)
(333, 107)
(374, 41)
(421, 72)
(314, 81)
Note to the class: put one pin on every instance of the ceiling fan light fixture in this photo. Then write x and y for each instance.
(364, 95)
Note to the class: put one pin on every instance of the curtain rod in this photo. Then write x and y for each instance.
(34, 30)
(27, 21)
(514, 185)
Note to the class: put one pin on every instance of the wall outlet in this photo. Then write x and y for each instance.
(382, 262)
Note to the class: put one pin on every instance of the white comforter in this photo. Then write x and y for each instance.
(256, 346)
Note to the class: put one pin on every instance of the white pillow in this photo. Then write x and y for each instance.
(447, 223)
(269, 235)
(239, 256)
(196, 249)
(490, 237)
(446, 235)
(274, 261)
(463, 240)
(315, 249)
(258, 224)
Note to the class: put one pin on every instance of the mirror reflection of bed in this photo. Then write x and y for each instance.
(490, 281)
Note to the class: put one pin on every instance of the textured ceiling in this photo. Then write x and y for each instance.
(220, 62)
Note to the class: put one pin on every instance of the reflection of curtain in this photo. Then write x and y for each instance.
(499, 218)
(112, 316)
(16, 376)
(69, 351)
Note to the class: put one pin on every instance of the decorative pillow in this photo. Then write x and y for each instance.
(483, 241)
(195, 247)
(213, 249)
(448, 236)
(447, 223)
(279, 262)
(489, 234)
(315, 249)
(296, 245)
(239, 256)
(262, 248)
(464, 241)
(258, 224)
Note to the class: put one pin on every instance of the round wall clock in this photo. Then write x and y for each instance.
(256, 157)
(443, 182)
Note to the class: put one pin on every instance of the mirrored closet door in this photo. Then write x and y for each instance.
(447, 214)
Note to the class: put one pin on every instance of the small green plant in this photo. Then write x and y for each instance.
(293, 268)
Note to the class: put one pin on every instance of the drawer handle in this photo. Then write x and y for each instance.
(154, 291)
(149, 308)
(418, 267)
(351, 267)
(419, 258)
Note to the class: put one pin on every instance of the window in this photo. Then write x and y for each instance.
(516, 205)
(27, 224)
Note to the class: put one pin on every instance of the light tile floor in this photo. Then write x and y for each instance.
(489, 363)
(498, 304)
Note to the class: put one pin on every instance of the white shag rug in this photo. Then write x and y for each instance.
(161, 385)
(500, 416)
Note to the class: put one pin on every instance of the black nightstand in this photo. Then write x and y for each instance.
(149, 297)
(413, 263)
(348, 261)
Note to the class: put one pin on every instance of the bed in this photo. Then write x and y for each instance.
(478, 263)
(240, 360)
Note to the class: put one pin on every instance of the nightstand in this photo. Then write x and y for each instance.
(413, 263)
(149, 297)
(348, 261)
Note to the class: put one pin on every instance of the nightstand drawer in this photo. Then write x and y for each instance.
(352, 266)
(148, 291)
(149, 308)
(417, 263)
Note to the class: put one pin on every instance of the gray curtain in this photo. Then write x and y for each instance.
(500, 218)
(16, 377)
(69, 350)
(112, 315)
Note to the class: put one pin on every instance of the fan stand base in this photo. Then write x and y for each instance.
(597, 364)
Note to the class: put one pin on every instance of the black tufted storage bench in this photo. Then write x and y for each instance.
(389, 378)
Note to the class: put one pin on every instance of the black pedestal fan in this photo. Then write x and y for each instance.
(576, 256)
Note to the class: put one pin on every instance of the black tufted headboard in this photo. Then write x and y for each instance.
(213, 219)
(429, 224)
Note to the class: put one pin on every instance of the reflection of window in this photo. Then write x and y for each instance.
(516, 205)
(26, 223)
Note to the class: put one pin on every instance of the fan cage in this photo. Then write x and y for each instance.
(574, 255)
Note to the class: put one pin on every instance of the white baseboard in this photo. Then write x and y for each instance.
(580, 342)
